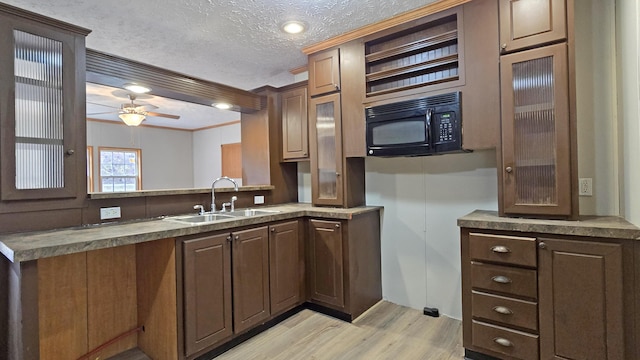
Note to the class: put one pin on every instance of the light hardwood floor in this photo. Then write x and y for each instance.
(386, 331)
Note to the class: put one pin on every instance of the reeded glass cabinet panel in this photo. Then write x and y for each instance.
(326, 162)
(42, 110)
(535, 131)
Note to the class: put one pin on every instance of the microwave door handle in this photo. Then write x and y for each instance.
(428, 119)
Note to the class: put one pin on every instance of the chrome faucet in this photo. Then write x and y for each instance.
(213, 191)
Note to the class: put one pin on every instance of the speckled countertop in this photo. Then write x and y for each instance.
(591, 226)
(35, 245)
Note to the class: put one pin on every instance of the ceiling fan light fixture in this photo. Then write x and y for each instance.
(132, 119)
(293, 27)
(222, 106)
(137, 88)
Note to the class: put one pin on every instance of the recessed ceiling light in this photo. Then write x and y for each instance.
(293, 27)
(222, 106)
(136, 88)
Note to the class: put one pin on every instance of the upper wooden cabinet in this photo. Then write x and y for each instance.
(326, 140)
(536, 140)
(42, 107)
(324, 72)
(527, 23)
(294, 123)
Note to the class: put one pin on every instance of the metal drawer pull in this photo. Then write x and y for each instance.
(501, 279)
(503, 342)
(502, 310)
(500, 249)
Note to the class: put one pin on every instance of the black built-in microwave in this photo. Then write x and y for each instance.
(425, 126)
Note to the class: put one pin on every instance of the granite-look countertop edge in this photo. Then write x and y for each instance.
(164, 192)
(589, 226)
(21, 247)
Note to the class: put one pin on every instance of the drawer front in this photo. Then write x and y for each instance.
(508, 311)
(504, 279)
(503, 249)
(518, 344)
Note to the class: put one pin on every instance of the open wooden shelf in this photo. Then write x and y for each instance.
(423, 55)
(420, 45)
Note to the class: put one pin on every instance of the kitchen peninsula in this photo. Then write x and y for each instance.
(70, 290)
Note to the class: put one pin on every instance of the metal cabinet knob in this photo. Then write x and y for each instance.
(337, 86)
(337, 226)
(503, 46)
(229, 238)
(273, 229)
(509, 169)
(71, 152)
(237, 237)
(542, 245)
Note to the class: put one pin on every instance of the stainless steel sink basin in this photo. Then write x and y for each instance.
(199, 219)
(252, 212)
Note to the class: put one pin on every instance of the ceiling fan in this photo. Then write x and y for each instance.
(133, 114)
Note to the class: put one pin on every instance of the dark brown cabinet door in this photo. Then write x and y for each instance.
(326, 279)
(294, 124)
(326, 159)
(324, 72)
(42, 109)
(580, 300)
(285, 266)
(527, 23)
(250, 277)
(536, 141)
(207, 292)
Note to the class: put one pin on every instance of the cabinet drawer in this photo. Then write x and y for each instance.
(518, 344)
(503, 249)
(504, 279)
(505, 310)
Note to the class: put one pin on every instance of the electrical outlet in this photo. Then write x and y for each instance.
(110, 213)
(585, 186)
(258, 199)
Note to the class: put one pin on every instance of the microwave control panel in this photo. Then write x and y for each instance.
(446, 127)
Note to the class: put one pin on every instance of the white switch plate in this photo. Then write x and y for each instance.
(586, 187)
(110, 213)
(258, 199)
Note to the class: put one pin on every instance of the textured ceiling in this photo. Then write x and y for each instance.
(234, 42)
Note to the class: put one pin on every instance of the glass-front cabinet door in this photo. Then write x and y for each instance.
(42, 110)
(536, 176)
(326, 160)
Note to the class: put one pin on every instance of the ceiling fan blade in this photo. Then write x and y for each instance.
(146, 106)
(103, 113)
(98, 104)
(150, 113)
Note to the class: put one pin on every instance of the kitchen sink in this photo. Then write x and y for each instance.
(199, 219)
(252, 212)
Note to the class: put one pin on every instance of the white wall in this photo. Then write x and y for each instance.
(207, 153)
(167, 161)
(628, 46)
(422, 198)
(596, 105)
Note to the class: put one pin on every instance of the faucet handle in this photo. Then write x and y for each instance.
(224, 207)
(200, 209)
(233, 202)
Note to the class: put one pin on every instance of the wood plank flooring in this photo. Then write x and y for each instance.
(386, 331)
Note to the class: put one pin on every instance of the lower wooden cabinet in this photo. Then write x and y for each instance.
(343, 260)
(286, 266)
(569, 304)
(234, 281)
(206, 292)
(581, 300)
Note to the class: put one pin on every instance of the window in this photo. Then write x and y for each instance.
(89, 168)
(119, 169)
